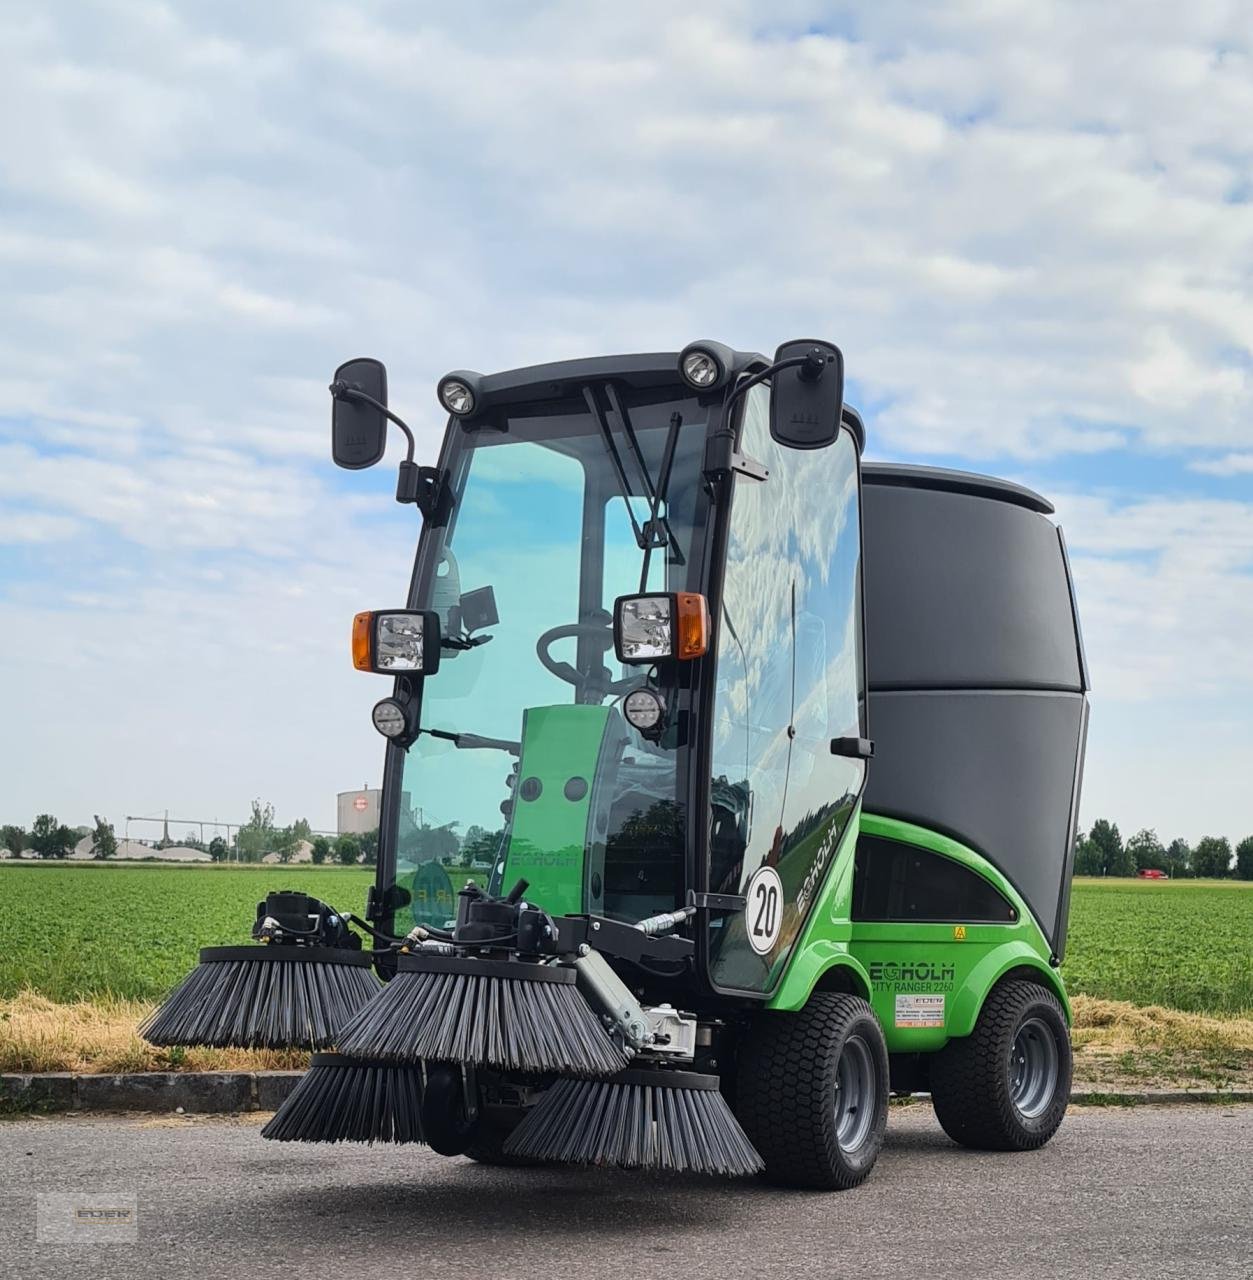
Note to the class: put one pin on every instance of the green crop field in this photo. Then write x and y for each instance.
(81, 931)
(93, 930)
(1186, 944)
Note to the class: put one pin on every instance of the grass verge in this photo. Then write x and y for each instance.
(1118, 1045)
(98, 1037)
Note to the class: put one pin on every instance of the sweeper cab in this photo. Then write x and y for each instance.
(730, 786)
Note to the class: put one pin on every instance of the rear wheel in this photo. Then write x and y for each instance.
(1005, 1086)
(813, 1092)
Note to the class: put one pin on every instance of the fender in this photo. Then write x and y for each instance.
(1011, 954)
(809, 969)
(823, 945)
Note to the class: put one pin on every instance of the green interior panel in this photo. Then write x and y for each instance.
(548, 838)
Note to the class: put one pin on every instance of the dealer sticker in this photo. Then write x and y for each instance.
(919, 1011)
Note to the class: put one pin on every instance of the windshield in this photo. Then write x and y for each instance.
(526, 766)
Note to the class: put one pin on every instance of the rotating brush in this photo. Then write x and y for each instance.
(509, 1014)
(346, 1099)
(640, 1119)
(293, 990)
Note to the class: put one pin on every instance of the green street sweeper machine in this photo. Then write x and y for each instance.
(730, 786)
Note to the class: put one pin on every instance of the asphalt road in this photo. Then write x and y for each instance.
(1146, 1192)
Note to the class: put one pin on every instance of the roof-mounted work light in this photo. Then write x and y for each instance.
(460, 392)
(705, 366)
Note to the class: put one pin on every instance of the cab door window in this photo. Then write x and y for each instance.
(789, 679)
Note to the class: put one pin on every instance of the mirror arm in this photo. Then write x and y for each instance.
(342, 391)
(809, 374)
(420, 486)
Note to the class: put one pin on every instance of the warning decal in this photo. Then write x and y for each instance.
(919, 1011)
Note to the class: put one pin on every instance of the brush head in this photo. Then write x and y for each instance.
(642, 1119)
(508, 1014)
(264, 997)
(345, 1099)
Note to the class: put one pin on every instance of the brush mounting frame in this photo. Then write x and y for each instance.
(289, 918)
(269, 954)
(622, 941)
(474, 966)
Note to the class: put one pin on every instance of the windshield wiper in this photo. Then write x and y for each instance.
(624, 486)
(656, 534)
(473, 741)
(663, 488)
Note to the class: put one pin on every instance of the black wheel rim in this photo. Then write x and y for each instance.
(855, 1092)
(1033, 1069)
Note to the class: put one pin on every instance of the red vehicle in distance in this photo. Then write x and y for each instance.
(1152, 873)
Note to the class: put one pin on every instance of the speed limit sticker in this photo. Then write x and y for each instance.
(764, 912)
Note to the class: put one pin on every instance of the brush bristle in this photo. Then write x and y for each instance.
(262, 1004)
(343, 1099)
(486, 1020)
(636, 1125)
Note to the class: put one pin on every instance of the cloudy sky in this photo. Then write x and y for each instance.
(1028, 226)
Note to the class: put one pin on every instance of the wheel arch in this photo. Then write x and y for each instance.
(822, 966)
(1012, 961)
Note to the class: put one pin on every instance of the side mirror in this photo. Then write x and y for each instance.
(807, 398)
(358, 427)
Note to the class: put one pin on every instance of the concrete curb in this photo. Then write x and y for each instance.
(1156, 1097)
(194, 1092)
(222, 1092)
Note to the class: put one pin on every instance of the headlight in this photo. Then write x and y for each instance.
(389, 718)
(396, 642)
(651, 628)
(644, 631)
(644, 710)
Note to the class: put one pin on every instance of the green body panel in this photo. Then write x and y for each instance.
(825, 941)
(933, 975)
(548, 835)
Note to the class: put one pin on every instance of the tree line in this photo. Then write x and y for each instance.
(1101, 852)
(48, 837)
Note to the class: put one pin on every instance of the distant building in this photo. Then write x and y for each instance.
(358, 811)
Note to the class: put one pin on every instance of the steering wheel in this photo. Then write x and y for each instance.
(571, 675)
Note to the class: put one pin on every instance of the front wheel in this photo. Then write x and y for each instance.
(813, 1092)
(488, 1146)
(1005, 1086)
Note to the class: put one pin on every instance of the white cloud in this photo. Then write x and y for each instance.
(34, 526)
(1165, 590)
(1029, 227)
(1231, 464)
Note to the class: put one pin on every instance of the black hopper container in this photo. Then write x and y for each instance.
(976, 672)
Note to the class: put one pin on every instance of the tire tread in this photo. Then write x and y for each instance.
(785, 1084)
(969, 1087)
